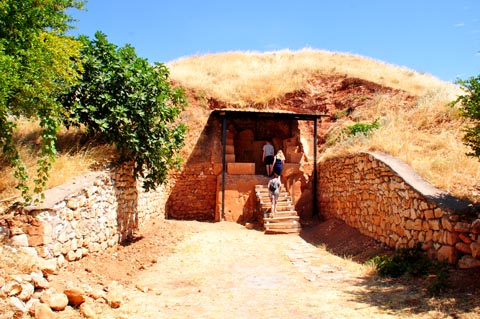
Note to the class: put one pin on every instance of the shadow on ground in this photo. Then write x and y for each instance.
(459, 298)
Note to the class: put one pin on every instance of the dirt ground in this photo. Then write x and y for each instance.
(180, 269)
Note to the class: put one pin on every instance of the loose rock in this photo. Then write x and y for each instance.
(58, 301)
(43, 311)
(114, 297)
(75, 296)
(87, 310)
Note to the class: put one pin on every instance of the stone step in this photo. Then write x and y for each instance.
(267, 194)
(281, 211)
(283, 195)
(286, 227)
(263, 189)
(292, 219)
(267, 201)
(286, 212)
(283, 231)
(279, 203)
(282, 226)
(285, 220)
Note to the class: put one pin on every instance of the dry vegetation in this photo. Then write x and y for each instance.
(77, 154)
(246, 78)
(426, 136)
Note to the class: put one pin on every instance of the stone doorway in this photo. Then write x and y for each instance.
(244, 134)
(246, 137)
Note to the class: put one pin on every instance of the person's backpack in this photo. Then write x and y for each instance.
(273, 185)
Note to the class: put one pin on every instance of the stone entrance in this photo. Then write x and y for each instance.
(245, 133)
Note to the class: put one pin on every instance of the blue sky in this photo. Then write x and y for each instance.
(438, 37)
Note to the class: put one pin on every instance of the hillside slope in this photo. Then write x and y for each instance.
(416, 123)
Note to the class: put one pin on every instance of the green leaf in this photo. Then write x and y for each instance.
(130, 103)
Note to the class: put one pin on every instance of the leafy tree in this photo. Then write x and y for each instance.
(131, 105)
(36, 66)
(470, 108)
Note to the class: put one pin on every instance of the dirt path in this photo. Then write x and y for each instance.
(223, 270)
(230, 272)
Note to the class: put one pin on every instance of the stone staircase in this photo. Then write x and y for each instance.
(286, 220)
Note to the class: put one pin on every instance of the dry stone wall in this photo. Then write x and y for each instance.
(86, 215)
(384, 199)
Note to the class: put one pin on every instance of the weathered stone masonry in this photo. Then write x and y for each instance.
(86, 215)
(384, 199)
(193, 192)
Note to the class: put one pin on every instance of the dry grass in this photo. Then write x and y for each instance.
(427, 136)
(14, 261)
(76, 155)
(246, 78)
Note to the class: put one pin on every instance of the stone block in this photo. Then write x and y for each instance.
(245, 135)
(294, 157)
(290, 169)
(465, 238)
(464, 248)
(467, 262)
(39, 240)
(476, 226)
(19, 240)
(293, 141)
(229, 149)
(446, 223)
(217, 168)
(462, 227)
(447, 253)
(450, 238)
(475, 248)
(230, 158)
(241, 168)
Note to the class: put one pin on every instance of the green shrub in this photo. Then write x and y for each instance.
(132, 105)
(440, 280)
(388, 266)
(362, 128)
(412, 261)
(415, 263)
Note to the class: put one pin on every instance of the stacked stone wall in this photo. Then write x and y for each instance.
(86, 215)
(385, 200)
